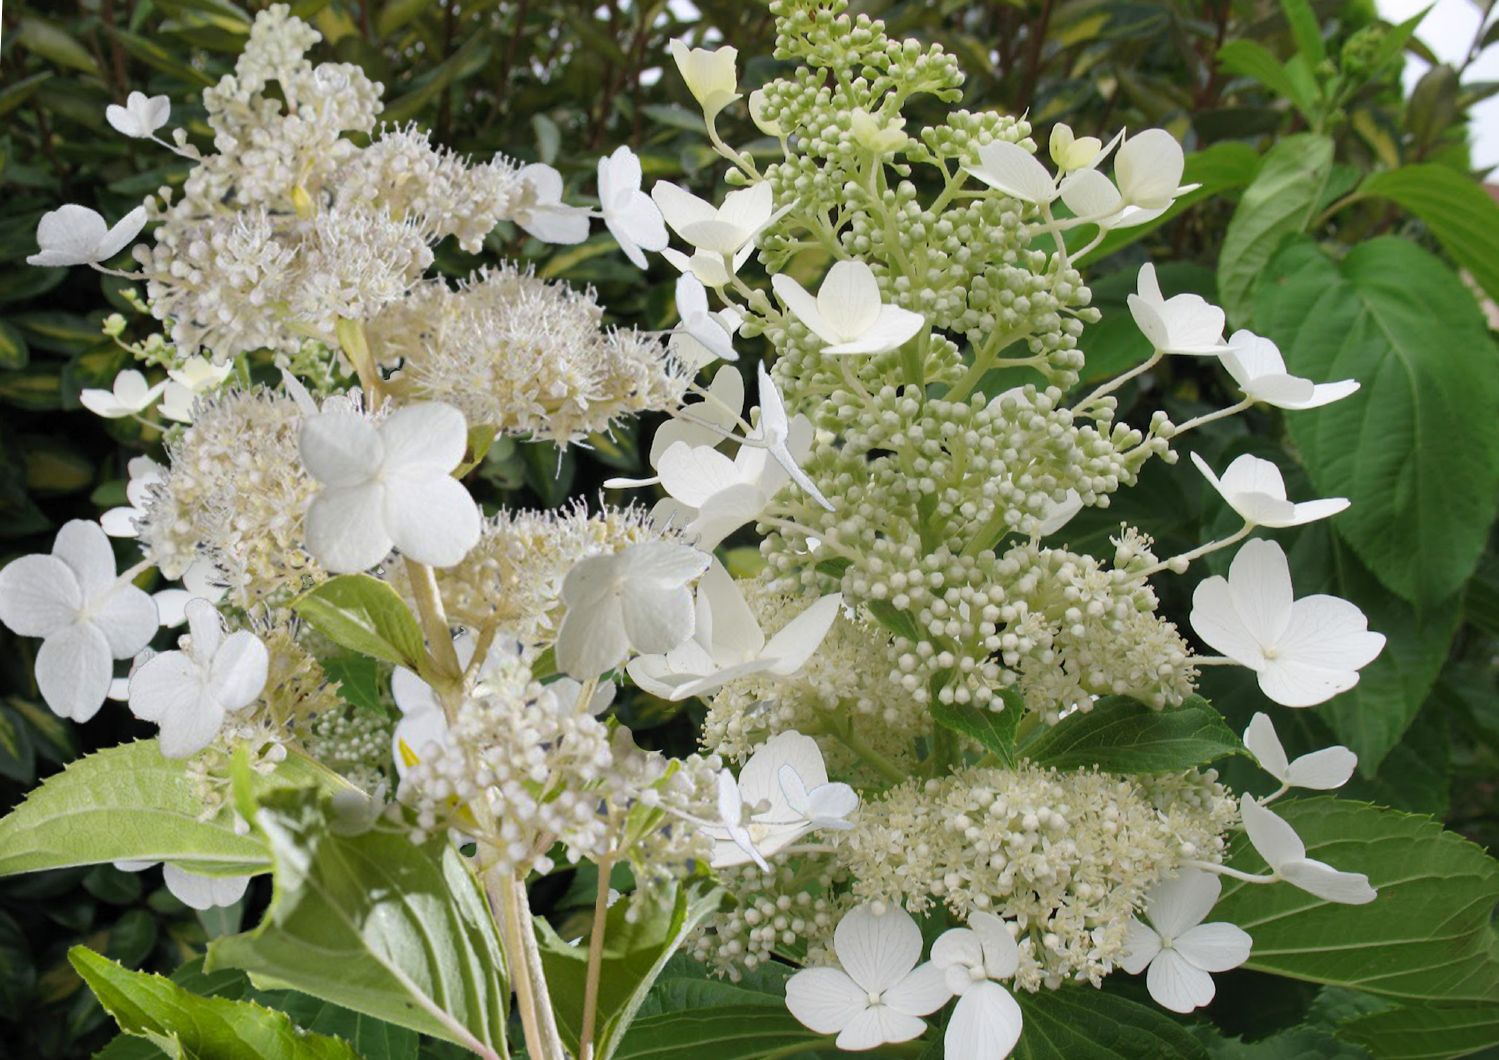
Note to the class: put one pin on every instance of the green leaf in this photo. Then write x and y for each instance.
(1306, 30)
(365, 615)
(159, 58)
(635, 952)
(129, 802)
(358, 678)
(1427, 937)
(372, 1039)
(734, 1032)
(1424, 483)
(1080, 1023)
(186, 1026)
(1425, 1032)
(995, 731)
(468, 60)
(1455, 207)
(893, 619)
(405, 927)
(54, 44)
(1249, 58)
(1120, 735)
(1280, 203)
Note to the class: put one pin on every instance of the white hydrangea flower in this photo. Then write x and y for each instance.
(784, 787)
(85, 615)
(1321, 770)
(540, 209)
(388, 486)
(879, 994)
(144, 474)
(188, 692)
(725, 232)
(1255, 489)
(774, 431)
(629, 213)
(193, 889)
(707, 331)
(1280, 846)
(177, 402)
(986, 1021)
(1148, 169)
(200, 375)
(704, 422)
(76, 235)
(1182, 324)
(635, 598)
(1303, 651)
(141, 116)
(730, 829)
(727, 643)
(1178, 948)
(847, 313)
(130, 395)
(1257, 366)
(1013, 170)
(709, 75)
(1071, 152)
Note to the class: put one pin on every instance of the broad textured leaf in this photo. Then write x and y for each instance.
(374, 923)
(372, 1039)
(1121, 735)
(1080, 1023)
(1427, 937)
(634, 955)
(995, 732)
(186, 1026)
(365, 615)
(740, 1032)
(1457, 209)
(1424, 483)
(1278, 204)
(129, 802)
(1425, 1032)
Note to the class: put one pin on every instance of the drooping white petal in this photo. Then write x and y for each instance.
(341, 448)
(877, 950)
(1148, 167)
(1215, 619)
(1323, 770)
(1088, 193)
(1260, 581)
(656, 618)
(121, 235)
(345, 528)
(1214, 947)
(804, 307)
(1330, 884)
(127, 617)
(1294, 684)
(849, 299)
(891, 329)
(1274, 839)
(431, 518)
(681, 208)
(68, 235)
(1261, 740)
(203, 892)
(590, 640)
(39, 595)
(733, 635)
(796, 642)
(85, 548)
(238, 673)
(73, 670)
(824, 999)
(1014, 170)
(985, 1024)
(1329, 632)
(1178, 985)
(879, 1025)
(1001, 953)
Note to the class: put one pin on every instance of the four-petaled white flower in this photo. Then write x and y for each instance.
(387, 486)
(1255, 489)
(726, 231)
(541, 210)
(129, 396)
(629, 213)
(707, 331)
(188, 692)
(784, 787)
(1178, 948)
(986, 1021)
(1277, 842)
(85, 615)
(1257, 366)
(1303, 651)
(727, 643)
(709, 75)
(1321, 770)
(705, 422)
(879, 994)
(76, 235)
(1014, 170)
(1182, 324)
(141, 116)
(847, 313)
(1148, 169)
(774, 432)
(635, 598)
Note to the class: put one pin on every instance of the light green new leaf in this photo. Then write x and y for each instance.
(995, 732)
(1424, 483)
(634, 955)
(1457, 209)
(1425, 1032)
(1279, 203)
(1306, 30)
(1080, 1023)
(365, 615)
(1427, 937)
(129, 802)
(738, 1032)
(374, 923)
(187, 1027)
(1120, 735)
(1249, 58)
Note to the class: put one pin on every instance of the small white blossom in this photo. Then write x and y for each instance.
(847, 313)
(144, 474)
(141, 116)
(84, 614)
(1178, 948)
(1255, 489)
(1014, 170)
(189, 691)
(1280, 846)
(177, 402)
(705, 422)
(709, 75)
(879, 995)
(986, 1021)
(706, 330)
(726, 231)
(1257, 366)
(1321, 770)
(129, 396)
(629, 213)
(727, 643)
(541, 211)
(1303, 651)
(387, 486)
(200, 375)
(193, 889)
(635, 598)
(1148, 169)
(76, 235)
(774, 431)
(1181, 324)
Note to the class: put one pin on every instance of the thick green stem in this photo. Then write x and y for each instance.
(448, 672)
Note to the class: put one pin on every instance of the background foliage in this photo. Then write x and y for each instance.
(1336, 216)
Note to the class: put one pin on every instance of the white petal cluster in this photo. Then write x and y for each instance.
(847, 313)
(1254, 488)
(1285, 853)
(1177, 947)
(986, 1021)
(76, 235)
(141, 115)
(629, 213)
(1323, 770)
